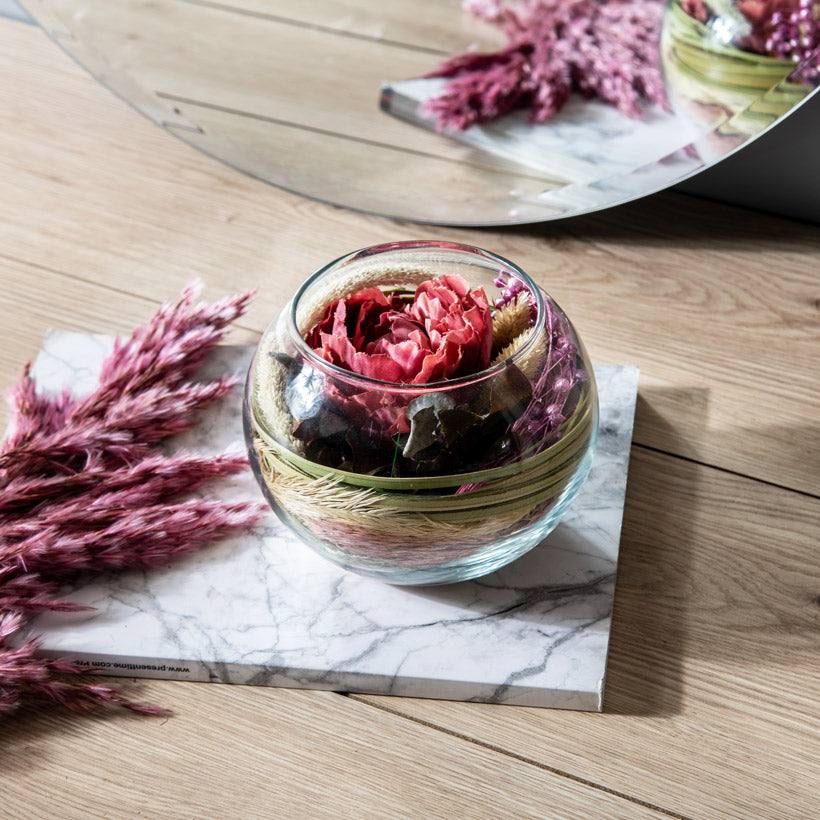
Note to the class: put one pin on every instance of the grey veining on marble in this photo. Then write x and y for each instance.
(12, 9)
(264, 609)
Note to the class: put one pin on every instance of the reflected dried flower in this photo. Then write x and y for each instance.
(604, 49)
(788, 30)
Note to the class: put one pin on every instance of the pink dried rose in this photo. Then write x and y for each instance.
(443, 333)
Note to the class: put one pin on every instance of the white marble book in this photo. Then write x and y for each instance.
(264, 609)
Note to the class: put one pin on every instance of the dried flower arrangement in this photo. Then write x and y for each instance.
(753, 59)
(787, 30)
(606, 49)
(412, 424)
(83, 488)
(609, 50)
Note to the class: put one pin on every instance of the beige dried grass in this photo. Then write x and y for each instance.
(268, 395)
(532, 361)
(511, 321)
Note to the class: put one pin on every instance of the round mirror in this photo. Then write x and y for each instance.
(324, 98)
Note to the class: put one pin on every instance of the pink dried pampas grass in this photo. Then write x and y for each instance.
(25, 675)
(606, 49)
(82, 489)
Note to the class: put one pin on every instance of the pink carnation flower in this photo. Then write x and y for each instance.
(445, 332)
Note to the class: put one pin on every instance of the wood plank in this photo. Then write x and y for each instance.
(718, 306)
(306, 76)
(714, 645)
(253, 752)
(311, 754)
(440, 25)
(712, 684)
(34, 300)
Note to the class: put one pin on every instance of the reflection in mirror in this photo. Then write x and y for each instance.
(287, 91)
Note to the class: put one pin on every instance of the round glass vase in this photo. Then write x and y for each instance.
(713, 81)
(422, 483)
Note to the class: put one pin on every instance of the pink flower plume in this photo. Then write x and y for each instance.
(83, 489)
(24, 675)
(607, 49)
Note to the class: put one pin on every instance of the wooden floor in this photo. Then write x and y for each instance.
(713, 696)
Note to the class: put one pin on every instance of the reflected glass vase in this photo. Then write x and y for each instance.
(424, 483)
(734, 68)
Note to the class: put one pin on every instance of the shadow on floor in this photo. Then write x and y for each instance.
(648, 639)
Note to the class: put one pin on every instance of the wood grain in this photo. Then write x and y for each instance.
(244, 752)
(711, 706)
(236, 751)
(714, 648)
(719, 307)
(440, 27)
(712, 684)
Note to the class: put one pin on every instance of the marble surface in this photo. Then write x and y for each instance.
(12, 9)
(264, 609)
(594, 155)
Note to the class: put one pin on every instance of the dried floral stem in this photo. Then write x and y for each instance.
(25, 675)
(123, 538)
(155, 477)
(82, 489)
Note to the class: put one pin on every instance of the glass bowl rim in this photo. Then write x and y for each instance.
(408, 387)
